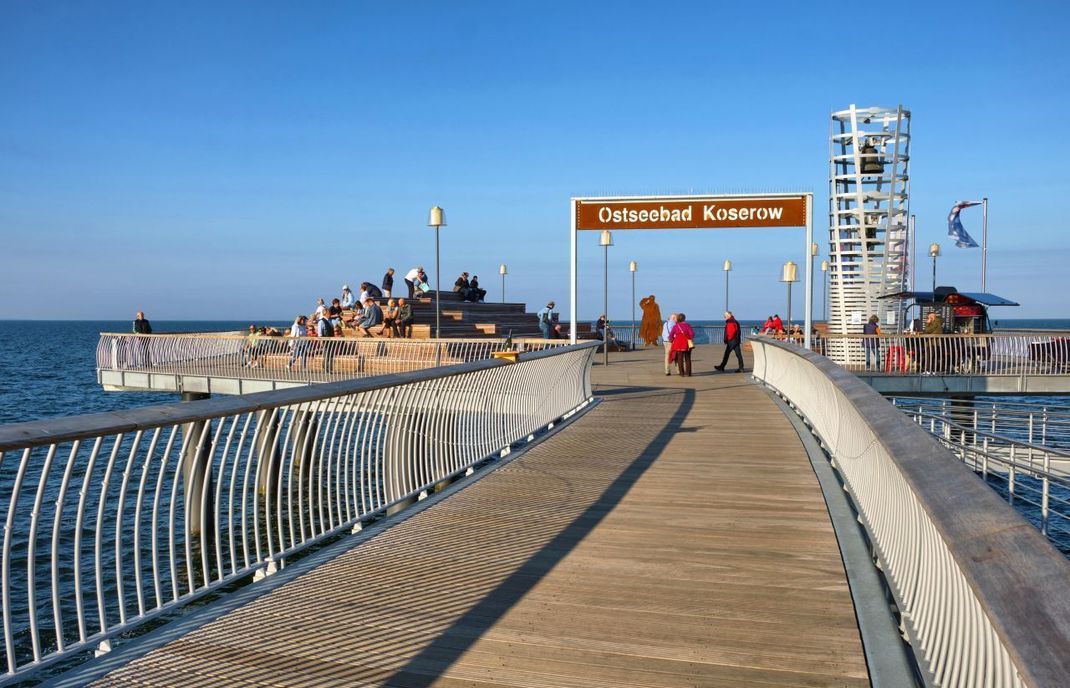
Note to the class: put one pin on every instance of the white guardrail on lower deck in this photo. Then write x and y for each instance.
(1036, 353)
(297, 359)
(983, 597)
(113, 519)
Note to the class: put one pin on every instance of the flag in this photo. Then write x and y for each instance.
(955, 230)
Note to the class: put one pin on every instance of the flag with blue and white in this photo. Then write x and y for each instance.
(955, 230)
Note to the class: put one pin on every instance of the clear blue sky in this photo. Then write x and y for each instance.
(236, 160)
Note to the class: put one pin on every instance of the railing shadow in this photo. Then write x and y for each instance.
(434, 658)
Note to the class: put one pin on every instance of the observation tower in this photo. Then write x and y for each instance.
(869, 203)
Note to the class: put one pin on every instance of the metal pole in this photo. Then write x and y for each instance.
(913, 234)
(503, 288)
(984, 244)
(934, 275)
(789, 306)
(573, 276)
(726, 291)
(438, 287)
(605, 311)
(633, 310)
(825, 296)
(808, 314)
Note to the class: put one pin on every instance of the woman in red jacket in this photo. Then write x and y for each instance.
(682, 338)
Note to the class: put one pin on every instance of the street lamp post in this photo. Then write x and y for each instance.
(633, 267)
(727, 269)
(605, 240)
(790, 275)
(825, 290)
(437, 219)
(813, 254)
(934, 251)
(503, 271)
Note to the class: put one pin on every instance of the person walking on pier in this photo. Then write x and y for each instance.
(666, 331)
(870, 343)
(388, 282)
(299, 346)
(682, 338)
(546, 321)
(733, 341)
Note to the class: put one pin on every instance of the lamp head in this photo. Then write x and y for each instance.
(934, 250)
(813, 249)
(790, 273)
(727, 265)
(633, 266)
(502, 269)
(606, 238)
(824, 266)
(437, 217)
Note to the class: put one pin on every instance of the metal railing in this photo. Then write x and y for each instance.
(114, 519)
(297, 359)
(704, 334)
(1044, 422)
(971, 578)
(1034, 478)
(950, 354)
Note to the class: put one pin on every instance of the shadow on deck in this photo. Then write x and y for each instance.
(674, 535)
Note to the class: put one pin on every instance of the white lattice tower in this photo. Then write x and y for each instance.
(869, 203)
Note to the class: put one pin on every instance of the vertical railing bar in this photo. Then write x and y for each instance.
(79, 515)
(57, 523)
(119, 593)
(31, 553)
(161, 476)
(137, 521)
(238, 453)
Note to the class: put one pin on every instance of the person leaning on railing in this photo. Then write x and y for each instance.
(934, 325)
(141, 345)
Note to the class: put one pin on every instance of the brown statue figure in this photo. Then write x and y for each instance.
(650, 327)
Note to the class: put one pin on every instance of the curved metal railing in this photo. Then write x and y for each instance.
(1036, 478)
(297, 359)
(971, 578)
(114, 519)
(1039, 353)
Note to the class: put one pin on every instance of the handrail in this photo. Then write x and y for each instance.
(289, 359)
(1036, 353)
(114, 519)
(982, 594)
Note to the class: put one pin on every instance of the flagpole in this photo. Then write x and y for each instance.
(984, 244)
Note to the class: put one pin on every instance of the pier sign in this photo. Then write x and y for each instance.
(698, 212)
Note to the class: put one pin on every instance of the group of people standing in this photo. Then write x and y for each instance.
(678, 338)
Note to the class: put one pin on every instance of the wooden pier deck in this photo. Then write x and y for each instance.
(673, 536)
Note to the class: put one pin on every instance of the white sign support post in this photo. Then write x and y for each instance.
(573, 277)
(808, 322)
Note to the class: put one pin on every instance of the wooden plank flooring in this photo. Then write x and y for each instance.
(674, 536)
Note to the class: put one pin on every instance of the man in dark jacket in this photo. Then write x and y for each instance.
(141, 355)
(404, 319)
(733, 340)
(388, 282)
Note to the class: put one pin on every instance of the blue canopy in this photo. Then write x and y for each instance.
(928, 297)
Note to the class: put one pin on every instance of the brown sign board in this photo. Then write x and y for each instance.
(697, 212)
